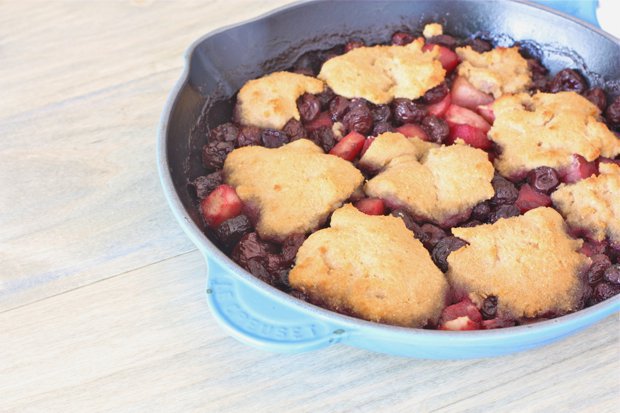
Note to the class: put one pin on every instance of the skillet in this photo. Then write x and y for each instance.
(218, 64)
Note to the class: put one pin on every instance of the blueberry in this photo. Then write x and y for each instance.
(204, 185)
(381, 113)
(309, 107)
(604, 291)
(382, 127)
(539, 75)
(613, 112)
(226, 132)
(481, 211)
(505, 191)
(251, 247)
(443, 40)
(536, 67)
(324, 137)
(273, 138)
(411, 225)
(294, 129)
(443, 248)
(503, 211)
(291, 246)
(214, 154)
(568, 80)
(249, 135)
(613, 251)
(543, 179)
(434, 234)
(407, 111)
(338, 107)
(402, 38)
(436, 94)
(489, 307)
(229, 232)
(597, 96)
(436, 128)
(325, 98)
(258, 268)
(480, 45)
(600, 263)
(612, 274)
(358, 118)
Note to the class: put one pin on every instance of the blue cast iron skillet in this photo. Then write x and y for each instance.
(218, 64)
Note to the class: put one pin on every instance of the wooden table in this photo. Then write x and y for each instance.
(102, 295)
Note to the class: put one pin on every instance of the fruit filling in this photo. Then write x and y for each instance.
(430, 182)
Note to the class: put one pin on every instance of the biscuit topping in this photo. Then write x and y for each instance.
(294, 187)
(382, 73)
(270, 101)
(498, 72)
(546, 130)
(528, 262)
(593, 203)
(373, 267)
(431, 30)
(445, 183)
(388, 146)
(473, 199)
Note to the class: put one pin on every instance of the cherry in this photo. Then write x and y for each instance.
(349, 146)
(221, 204)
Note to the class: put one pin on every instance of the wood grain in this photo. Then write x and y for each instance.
(102, 304)
(83, 85)
(145, 341)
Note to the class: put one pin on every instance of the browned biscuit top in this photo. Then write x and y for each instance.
(381, 73)
(528, 262)
(295, 187)
(593, 203)
(390, 145)
(372, 266)
(546, 129)
(446, 182)
(499, 71)
(271, 101)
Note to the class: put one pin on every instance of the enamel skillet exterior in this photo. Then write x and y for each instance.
(219, 63)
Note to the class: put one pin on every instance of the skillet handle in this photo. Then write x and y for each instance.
(582, 9)
(268, 323)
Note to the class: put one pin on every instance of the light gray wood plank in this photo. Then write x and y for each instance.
(55, 51)
(145, 341)
(84, 200)
(83, 85)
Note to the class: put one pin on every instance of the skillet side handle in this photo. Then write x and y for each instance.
(262, 321)
(582, 9)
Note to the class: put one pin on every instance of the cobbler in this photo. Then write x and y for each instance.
(428, 182)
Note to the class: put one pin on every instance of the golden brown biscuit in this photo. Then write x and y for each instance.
(295, 187)
(497, 72)
(447, 182)
(372, 266)
(390, 145)
(432, 30)
(546, 130)
(528, 262)
(381, 73)
(271, 101)
(593, 203)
